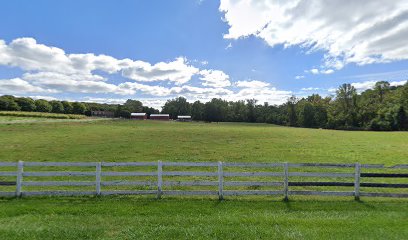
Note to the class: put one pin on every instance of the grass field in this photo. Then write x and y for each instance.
(199, 218)
(152, 141)
(41, 115)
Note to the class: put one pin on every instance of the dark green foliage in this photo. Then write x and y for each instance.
(150, 110)
(68, 109)
(78, 108)
(134, 106)
(402, 120)
(26, 104)
(291, 109)
(197, 110)
(42, 106)
(124, 114)
(9, 103)
(176, 107)
(57, 107)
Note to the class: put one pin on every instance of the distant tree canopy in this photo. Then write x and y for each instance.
(383, 108)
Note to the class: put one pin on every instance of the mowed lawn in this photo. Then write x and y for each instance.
(132, 217)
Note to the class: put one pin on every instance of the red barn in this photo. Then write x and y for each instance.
(163, 117)
(139, 116)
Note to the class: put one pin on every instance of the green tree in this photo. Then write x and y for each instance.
(57, 106)
(78, 108)
(42, 105)
(133, 106)
(176, 107)
(346, 106)
(68, 109)
(381, 88)
(292, 116)
(214, 111)
(251, 104)
(197, 111)
(26, 104)
(8, 103)
(402, 120)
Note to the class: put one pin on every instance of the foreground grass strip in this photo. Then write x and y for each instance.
(146, 218)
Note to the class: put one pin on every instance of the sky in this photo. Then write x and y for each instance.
(109, 51)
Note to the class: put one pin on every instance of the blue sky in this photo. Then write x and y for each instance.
(231, 49)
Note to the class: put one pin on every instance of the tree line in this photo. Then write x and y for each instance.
(383, 108)
(11, 103)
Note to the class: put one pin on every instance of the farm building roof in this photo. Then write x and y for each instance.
(138, 114)
(183, 116)
(159, 115)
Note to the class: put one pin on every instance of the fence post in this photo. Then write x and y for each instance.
(286, 181)
(159, 178)
(357, 182)
(220, 181)
(98, 178)
(19, 180)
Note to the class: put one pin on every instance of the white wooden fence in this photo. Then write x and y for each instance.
(347, 176)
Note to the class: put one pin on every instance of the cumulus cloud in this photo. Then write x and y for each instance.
(310, 89)
(74, 83)
(214, 78)
(29, 55)
(251, 84)
(362, 86)
(178, 71)
(299, 77)
(360, 32)
(20, 86)
(49, 70)
(265, 94)
(260, 91)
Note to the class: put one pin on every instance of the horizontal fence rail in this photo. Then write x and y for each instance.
(183, 178)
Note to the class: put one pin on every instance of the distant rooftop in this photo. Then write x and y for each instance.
(138, 114)
(159, 115)
(184, 116)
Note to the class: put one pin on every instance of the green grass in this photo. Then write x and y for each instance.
(142, 218)
(199, 218)
(41, 115)
(152, 141)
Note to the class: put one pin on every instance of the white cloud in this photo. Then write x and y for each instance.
(260, 91)
(362, 86)
(332, 90)
(314, 71)
(398, 83)
(178, 71)
(214, 78)
(104, 100)
(251, 84)
(74, 83)
(323, 71)
(20, 86)
(327, 71)
(359, 31)
(270, 95)
(299, 77)
(29, 55)
(50, 70)
(310, 89)
(48, 98)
